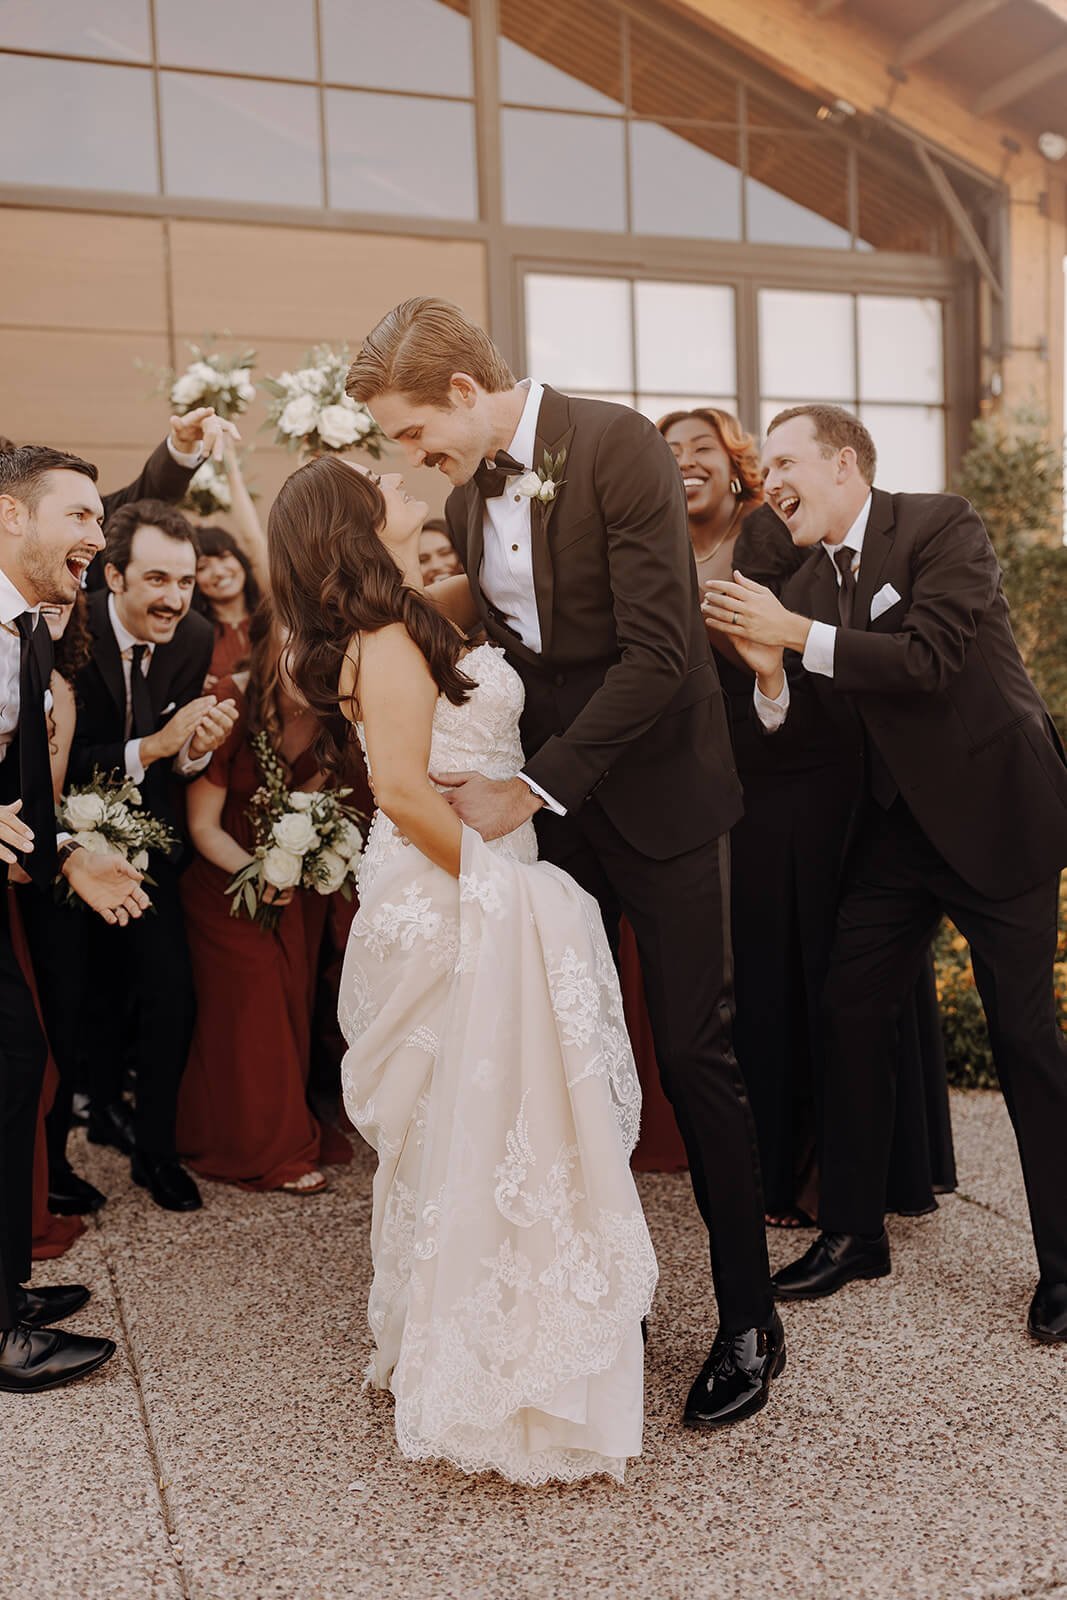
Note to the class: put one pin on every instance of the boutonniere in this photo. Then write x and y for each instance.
(545, 482)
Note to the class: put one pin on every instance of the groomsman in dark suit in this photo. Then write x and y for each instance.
(898, 618)
(141, 712)
(588, 583)
(50, 514)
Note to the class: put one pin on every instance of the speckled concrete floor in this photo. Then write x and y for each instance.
(914, 1449)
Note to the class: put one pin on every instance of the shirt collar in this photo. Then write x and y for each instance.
(853, 539)
(12, 603)
(524, 438)
(123, 637)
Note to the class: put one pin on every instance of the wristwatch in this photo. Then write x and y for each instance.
(66, 850)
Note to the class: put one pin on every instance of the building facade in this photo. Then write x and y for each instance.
(749, 202)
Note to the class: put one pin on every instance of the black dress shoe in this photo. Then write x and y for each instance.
(735, 1380)
(112, 1124)
(832, 1261)
(168, 1183)
(39, 1308)
(1047, 1322)
(33, 1359)
(71, 1196)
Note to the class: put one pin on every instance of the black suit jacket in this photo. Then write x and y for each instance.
(161, 478)
(624, 698)
(175, 676)
(940, 687)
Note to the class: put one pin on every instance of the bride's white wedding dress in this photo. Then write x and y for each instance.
(489, 1067)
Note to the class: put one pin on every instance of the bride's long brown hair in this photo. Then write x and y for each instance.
(333, 579)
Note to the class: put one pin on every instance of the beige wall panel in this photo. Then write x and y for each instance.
(301, 284)
(117, 467)
(56, 386)
(64, 269)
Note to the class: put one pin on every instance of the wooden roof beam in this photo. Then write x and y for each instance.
(1017, 84)
(927, 41)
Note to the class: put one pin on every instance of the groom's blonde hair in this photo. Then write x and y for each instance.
(417, 347)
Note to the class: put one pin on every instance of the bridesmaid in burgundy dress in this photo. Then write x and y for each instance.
(243, 1115)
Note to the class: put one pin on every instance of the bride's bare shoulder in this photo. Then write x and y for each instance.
(372, 661)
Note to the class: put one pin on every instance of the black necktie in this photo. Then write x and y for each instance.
(35, 766)
(141, 718)
(490, 479)
(846, 591)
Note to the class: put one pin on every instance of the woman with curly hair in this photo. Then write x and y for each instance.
(242, 1113)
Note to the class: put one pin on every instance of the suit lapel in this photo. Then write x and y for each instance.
(554, 434)
(877, 543)
(108, 659)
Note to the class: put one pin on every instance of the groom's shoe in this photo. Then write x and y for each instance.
(735, 1380)
(1047, 1322)
(832, 1261)
(32, 1359)
(112, 1124)
(167, 1182)
(39, 1308)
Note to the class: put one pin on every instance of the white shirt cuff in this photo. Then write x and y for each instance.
(184, 767)
(185, 458)
(553, 805)
(819, 651)
(134, 764)
(772, 713)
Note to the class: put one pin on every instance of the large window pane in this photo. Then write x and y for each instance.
(231, 37)
(685, 338)
(561, 53)
(655, 406)
(115, 28)
(680, 188)
(910, 441)
(400, 154)
(797, 191)
(110, 144)
(423, 45)
(234, 139)
(578, 332)
(563, 171)
(900, 348)
(806, 344)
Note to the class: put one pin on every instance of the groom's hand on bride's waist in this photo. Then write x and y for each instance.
(488, 805)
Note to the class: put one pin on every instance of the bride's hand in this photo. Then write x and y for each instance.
(490, 806)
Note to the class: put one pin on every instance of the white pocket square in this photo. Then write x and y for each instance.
(887, 596)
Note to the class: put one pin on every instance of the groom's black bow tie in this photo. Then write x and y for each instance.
(490, 478)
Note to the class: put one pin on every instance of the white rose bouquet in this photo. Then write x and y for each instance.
(106, 816)
(209, 490)
(311, 412)
(303, 841)
(213, 379)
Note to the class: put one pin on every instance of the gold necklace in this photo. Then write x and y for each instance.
(703, 560)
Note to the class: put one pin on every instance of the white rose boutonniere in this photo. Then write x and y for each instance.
(543, 483)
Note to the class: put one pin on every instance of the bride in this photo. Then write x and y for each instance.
(488, 1062)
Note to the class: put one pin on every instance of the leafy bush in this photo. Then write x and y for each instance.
(1014, 479)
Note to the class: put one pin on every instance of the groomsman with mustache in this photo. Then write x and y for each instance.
(898, 620)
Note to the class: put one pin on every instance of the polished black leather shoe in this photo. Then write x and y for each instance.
(735, 1380)
(71, 1196)
(1047, 1322)
(34, 1359)
(832, 1261)
(112, 1124)
(39, 1308)
(168, 1183)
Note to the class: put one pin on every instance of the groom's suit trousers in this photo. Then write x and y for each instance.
(679, 910)
(22, 1061)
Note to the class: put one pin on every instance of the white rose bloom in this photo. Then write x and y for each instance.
(246, 390)
(140, 861)
(295, 832)
(187, 391)
(299, 416)
(333, 870)
(362, 421)
(337, 426)
(528, 484)
(118, 815)
(349, 840)
(84, 811)
(310, 380)
(209, 377)
(547, 490)
(281, 868)
(96, 844)
(300, 801)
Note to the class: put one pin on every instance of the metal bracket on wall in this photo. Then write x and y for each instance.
(958, 212)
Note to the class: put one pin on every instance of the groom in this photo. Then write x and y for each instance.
(570, 519)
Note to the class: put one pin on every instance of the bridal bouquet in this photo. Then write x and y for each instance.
(212, 379)
(209, 490)
(106, 816)
(303, 841)
(311, 412)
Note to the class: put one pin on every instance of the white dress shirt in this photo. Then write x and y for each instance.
(12, 606)
(822, 636)
(125, 640)
(506, 578)
(185, 458)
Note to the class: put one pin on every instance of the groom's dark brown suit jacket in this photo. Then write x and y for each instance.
(624, 699)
